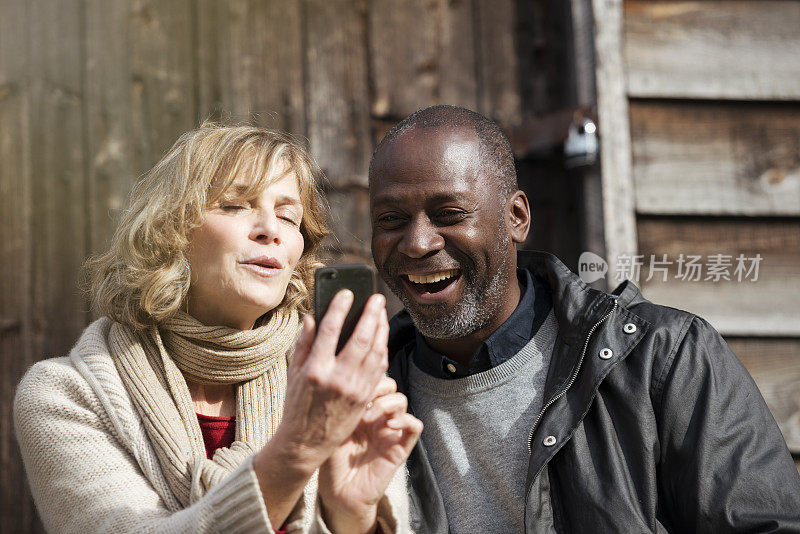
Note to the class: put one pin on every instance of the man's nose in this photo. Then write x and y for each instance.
(266, 228)
(420, 239)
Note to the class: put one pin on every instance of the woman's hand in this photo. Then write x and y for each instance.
(326, 397)
(355, 477)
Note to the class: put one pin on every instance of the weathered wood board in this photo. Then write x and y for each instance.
(775, 366)
(16, 508)
(58, 184)
(716, 158)
(421, 55)
(140, 97)
(764, 307)
(728, 49)
(250, 63)
(337, 90)
(498, 61)
(349, 222)
(439, 52)
(619, 217)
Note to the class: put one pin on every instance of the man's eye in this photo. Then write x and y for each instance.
(390, 220)
(450, 215)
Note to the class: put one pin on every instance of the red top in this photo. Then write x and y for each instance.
(217, 432)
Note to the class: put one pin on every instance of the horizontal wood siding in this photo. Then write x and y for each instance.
(766, 307)
(714, 105)
(716, 158)
(775, 367)
(730, 49)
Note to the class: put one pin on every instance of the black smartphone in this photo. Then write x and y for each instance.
(360, 279)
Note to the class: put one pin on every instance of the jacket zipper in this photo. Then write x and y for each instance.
(571, 380)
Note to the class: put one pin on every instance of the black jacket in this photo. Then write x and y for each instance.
(668, 434)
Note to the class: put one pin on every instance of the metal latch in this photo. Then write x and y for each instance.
(581, 145)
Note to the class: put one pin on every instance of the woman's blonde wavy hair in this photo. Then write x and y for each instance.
(144, 277)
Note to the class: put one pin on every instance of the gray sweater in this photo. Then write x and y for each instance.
(476, 431)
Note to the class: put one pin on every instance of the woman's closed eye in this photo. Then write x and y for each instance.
(291, 219)
(233, 206)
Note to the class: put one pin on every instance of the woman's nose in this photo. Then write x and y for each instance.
(266, 228)
(420, 239)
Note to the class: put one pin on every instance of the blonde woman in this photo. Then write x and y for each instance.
(193, 405)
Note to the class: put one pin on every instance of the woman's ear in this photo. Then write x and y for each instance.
(518, 217)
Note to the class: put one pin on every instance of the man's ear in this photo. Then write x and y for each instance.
(518, 217)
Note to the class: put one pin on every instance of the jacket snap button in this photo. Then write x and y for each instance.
(629, 328)
(606, 353)
(451, 367)
(549, 441)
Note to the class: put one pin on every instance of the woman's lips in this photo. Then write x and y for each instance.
(263, 266)
(265, 261)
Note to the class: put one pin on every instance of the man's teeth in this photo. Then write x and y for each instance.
(433, 277)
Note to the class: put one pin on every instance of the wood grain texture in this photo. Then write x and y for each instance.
(140, 97)
(615, 143)
(59, 219)
(17, 513)
(716, 158)
(421, 55)
(497, 61)
(337, 89)
(726, 49)
(775, 366)
(766, 307)
(404, 56)
(250, 63)
(350, 221)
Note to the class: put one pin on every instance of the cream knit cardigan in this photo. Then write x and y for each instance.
(92, 468)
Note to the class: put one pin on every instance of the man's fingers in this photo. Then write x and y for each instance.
(331, 324)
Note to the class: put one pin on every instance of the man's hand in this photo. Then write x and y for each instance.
(357, 474)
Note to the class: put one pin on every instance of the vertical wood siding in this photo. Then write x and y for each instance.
(93, 93)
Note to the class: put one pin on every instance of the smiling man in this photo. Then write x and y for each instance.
(549, 406)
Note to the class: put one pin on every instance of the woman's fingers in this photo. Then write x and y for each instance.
(385, 387)
(302, 346)
(411, 429)
(378, 357)
(330, 326)
(386, 405)
(360, 343)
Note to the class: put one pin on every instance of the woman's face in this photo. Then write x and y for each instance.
(244, 252)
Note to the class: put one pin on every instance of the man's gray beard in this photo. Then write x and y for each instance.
(477, 306)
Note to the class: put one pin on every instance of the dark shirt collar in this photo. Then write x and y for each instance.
(502, 345)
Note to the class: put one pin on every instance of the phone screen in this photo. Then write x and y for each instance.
(360, 279)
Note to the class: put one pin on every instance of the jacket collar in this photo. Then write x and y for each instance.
(580, 311)
(577, 307)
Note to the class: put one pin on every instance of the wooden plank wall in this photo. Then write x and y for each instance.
(714, 115)
(93, 92)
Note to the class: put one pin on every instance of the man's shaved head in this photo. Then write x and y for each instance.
(496, 155)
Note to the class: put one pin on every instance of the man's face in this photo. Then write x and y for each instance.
(439, 237)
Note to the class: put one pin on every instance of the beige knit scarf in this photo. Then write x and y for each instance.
(153, 364)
